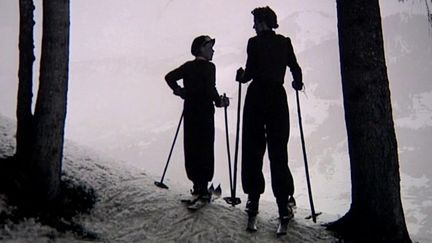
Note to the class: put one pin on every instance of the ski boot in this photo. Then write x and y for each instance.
(252, 211)
(285, 216)
(202, 201)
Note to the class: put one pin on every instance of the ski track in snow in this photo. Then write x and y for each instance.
(130, 208)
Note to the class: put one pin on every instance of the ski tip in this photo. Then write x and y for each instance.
(211, 188)
(218, 190)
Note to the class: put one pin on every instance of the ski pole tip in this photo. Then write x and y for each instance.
(160, 185)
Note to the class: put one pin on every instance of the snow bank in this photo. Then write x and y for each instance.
(131, 209)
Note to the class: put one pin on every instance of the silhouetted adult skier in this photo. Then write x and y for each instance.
(266, 115)
(200, 95)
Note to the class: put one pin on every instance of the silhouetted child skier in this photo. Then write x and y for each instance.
(200, 96)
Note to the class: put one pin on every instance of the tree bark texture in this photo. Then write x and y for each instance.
(376, 202)
(25, 84)
(50, 111)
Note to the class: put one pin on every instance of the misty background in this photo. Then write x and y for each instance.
(120, 105)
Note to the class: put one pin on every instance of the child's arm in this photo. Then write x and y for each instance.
(172, 77)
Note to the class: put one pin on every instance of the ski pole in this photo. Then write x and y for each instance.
(237, 144)
(233, 200)
(160, 183)
(228, 147)
(313, 214)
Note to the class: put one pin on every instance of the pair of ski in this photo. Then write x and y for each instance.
(196, 202)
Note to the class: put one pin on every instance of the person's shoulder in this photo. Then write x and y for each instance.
(203, 64)
(253, 39)
(188, 63)
(282, 37)
(210, 65)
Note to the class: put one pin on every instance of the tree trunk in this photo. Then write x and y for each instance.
(50, 112)
(25, 86)
(376, 208)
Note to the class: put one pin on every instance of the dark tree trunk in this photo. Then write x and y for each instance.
(25, 86)
(50, 112)
(376, 210)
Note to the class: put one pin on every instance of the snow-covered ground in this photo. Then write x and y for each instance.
(131, 209)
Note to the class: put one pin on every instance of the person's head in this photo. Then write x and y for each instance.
(264, 19)
(202, 46)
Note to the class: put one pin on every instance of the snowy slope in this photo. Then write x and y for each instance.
(131, 209)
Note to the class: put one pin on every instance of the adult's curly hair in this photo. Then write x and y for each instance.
(266, 15)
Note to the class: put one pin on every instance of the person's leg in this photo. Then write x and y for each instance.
(188, 143)
(253, 148)
(198, 145)
(205, 146)
(277, 128)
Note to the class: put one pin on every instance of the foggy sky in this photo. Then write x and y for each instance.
(159, 33)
